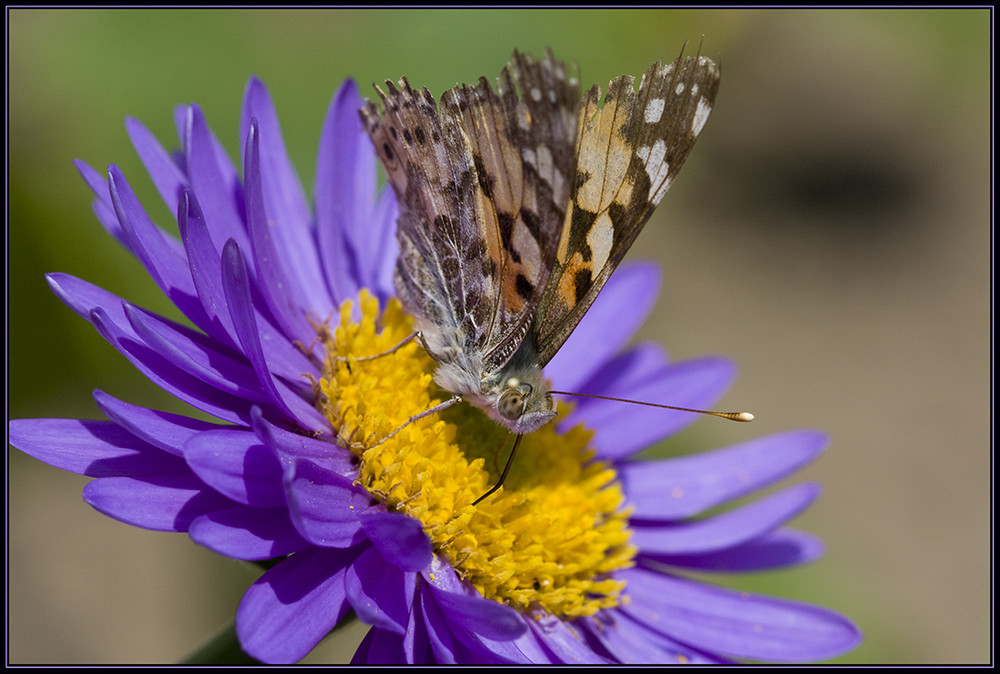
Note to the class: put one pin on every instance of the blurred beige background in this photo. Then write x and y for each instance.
(831, 233)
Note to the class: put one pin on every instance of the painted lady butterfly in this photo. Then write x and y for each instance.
(517, 203)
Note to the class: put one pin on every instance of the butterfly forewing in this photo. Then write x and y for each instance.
(521, 141)
(628, 152)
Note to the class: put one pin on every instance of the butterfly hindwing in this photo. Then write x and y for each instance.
(424, 167)
(628, 152)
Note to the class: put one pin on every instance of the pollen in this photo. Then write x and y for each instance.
(548, 542)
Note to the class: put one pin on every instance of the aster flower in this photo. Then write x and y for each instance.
(582, 557)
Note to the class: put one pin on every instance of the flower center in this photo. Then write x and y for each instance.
(550, 539)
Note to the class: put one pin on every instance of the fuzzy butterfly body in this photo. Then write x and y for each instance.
(516, 205)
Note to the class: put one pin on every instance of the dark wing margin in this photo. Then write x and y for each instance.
(629, 151)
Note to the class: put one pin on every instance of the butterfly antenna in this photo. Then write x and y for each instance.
(732, 416)
(503, 476)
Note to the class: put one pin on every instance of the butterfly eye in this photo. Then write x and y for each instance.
(511, 402)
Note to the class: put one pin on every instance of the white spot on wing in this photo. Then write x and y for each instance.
(656, 168)
(655, 159)
(599, 238)
(700, 116)
(654, 111)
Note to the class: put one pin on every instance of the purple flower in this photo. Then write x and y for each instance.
(580, 558)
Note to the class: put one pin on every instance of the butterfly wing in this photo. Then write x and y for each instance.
(424, 171)
(628, 153)
(483, 183)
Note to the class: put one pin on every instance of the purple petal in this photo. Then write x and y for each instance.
(445, 650)
(213, 180)
(161, 254)
(630, 642)
(294, 605)
(161, 503)
(285, 196)
(381, 594)
(476, 648)
(784, 547)
(470, 610)
(286, 360)
(83, 297)
(206, 269)
(284, 201)
(682, 487)
(162, 373)
(557, 642)
(416, 643)
(622, 429)
(235, 282)
(355, 183)
(106, 313)
(277, 287)
(247, 533)
(400, 539)
(384, 647)
(103, 208)
(626, 646)
(92, 448)
(182, 116)
(168, 177)
(727, 530)
(197, 355)
(325, 506)
(345, 194)
(237, 464)
(453, 640)
(386, 250)
(737, 623)
(289, 446)
(616, 314)
(164, 430)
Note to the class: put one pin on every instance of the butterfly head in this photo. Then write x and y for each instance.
(522, 405)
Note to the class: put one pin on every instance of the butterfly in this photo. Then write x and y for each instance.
(517, 202)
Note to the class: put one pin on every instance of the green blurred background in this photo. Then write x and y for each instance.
(831, 232)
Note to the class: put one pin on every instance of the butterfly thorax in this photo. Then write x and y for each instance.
(515, 396)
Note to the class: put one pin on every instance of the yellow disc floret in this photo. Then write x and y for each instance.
(549, 540)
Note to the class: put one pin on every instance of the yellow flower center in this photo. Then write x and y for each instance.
(550, 539)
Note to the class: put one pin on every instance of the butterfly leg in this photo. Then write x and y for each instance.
(437, 408)
(403, 342)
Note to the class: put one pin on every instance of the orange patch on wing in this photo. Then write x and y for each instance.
(512, 301)
(567, 281)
